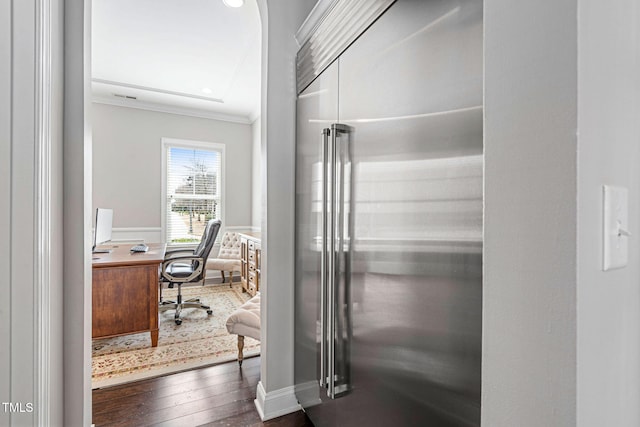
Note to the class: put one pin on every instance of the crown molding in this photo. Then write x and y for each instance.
(254, 116)
(156, 90)
(181, 111)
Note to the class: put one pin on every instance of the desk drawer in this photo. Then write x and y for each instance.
(124, 300)
(252, 289)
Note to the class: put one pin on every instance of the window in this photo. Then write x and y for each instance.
(192, 188)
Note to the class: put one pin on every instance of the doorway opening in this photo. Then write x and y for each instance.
(176, 142)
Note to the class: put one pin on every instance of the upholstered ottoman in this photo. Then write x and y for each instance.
(245, 322)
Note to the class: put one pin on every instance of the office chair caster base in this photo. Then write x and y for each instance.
(178, 321)
(209, 312)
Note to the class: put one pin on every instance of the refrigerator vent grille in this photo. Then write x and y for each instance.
(341, 26)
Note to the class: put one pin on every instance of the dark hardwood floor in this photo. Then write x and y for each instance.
(220, 395)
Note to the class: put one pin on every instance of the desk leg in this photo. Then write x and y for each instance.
(153, 306)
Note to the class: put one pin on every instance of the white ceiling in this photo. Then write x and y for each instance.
(165, 52)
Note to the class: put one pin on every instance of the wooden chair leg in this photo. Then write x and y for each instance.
(240, 348)
(223, 278)
(231, 279)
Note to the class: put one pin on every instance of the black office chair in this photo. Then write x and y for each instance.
(188, 266)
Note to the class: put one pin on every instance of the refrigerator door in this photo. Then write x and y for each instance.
(411, 95)
(317, 109)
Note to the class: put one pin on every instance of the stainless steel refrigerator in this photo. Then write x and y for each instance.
(389, 196)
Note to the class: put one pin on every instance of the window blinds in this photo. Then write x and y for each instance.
(193, 192)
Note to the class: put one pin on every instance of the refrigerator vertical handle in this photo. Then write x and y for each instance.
(335, 231)
(332, 268)
(323, 261)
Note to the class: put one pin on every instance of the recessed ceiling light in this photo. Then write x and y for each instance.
(233, 3)
(207, 90)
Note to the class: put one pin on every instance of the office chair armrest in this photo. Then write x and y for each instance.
(182, 260)
(171, 253)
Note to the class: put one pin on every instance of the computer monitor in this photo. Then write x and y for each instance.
(104, 222)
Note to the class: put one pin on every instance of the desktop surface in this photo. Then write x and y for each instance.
(121, 255)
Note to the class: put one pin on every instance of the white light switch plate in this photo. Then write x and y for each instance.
(615, 225)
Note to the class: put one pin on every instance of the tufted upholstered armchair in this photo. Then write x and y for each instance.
(229, 256)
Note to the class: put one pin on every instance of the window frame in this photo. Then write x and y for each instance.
(195, 145)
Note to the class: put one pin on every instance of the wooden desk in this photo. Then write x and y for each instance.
(125, 292)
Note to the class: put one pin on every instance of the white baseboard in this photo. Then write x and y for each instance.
(275, 403)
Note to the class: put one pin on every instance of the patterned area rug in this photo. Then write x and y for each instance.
(201, 340)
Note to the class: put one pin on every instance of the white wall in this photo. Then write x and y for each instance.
(529, 313)
(562, 101)
(5, 194)
(609, 153)
(23, 189)
(127, 170)
(256, 174)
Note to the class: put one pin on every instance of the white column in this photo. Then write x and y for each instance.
(531, 102)
(77, 218)
(280, 21)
